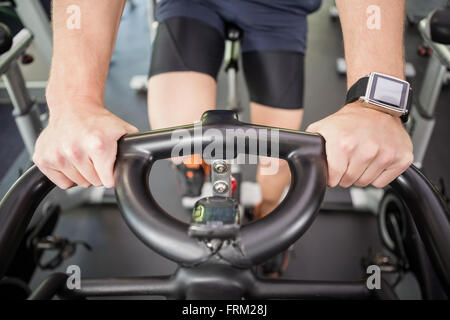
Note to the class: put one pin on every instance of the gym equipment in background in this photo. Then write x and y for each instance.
(139, 82)
(435, 31)
(34, 16)
(26, 111)
(29, 121)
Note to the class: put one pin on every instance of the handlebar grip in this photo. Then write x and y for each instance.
(287, 223)
(257, 241)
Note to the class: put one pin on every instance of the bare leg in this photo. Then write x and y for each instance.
(272, 186)
(177, 98)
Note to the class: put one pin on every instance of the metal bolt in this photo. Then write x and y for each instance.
(220, 166)
(220, 187)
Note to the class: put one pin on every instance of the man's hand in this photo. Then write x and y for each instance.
(79, 145)
(364, 146)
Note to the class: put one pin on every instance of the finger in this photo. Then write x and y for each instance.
(75, 156)
(388, 175)
(337, 163)
(103, 160)
(312, 127)
(57, 178)
(73, 174)
(379, 164)
(105, 169)
(131, 129)
(358, 164)
(87, 170)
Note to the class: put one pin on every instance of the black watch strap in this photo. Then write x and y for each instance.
(357, 90)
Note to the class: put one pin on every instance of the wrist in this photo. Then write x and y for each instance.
(358, 108)
(59, 95)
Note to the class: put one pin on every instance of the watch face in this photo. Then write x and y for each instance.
(389, 91)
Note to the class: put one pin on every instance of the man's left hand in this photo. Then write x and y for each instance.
(364, 146)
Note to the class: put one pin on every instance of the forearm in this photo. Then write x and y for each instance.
(372, 50)
(81, 56)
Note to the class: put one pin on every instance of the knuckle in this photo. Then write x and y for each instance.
(370, 151)
(57, 160)
(42, 162)
(347, 144)
(74, 152)
(37, 160)
(97, 142)
(387, 157)
(409, 159)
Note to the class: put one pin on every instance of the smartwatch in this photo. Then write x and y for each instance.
(383, 93)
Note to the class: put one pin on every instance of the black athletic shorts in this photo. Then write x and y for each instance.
(191, 35)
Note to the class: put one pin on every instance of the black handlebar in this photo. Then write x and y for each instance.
(258, 240)
(431, 217)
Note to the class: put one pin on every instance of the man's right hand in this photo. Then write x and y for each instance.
(79, 145)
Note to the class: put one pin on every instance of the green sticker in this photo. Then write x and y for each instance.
(197, 215)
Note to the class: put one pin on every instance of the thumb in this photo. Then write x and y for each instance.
(311, 128)
(131, 129)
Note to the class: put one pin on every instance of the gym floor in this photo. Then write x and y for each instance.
(336, 243)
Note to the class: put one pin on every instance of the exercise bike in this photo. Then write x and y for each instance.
(215, 252)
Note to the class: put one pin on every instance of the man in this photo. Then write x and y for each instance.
(364, 146)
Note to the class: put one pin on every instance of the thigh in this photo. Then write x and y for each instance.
(273, 46)
(179, 98)
(189, 38)
(187, 54)
(275, 78)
